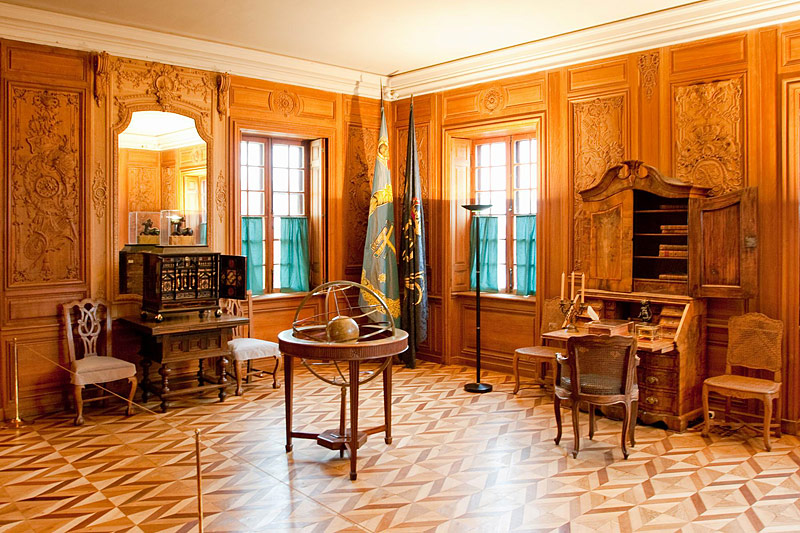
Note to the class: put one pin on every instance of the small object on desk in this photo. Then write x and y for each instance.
(645, 313)
(592, 313)
(648, 332)
(609, 327)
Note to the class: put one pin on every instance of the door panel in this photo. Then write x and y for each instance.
(611, 243)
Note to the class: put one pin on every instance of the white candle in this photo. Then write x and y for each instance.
(583, 288)
(563, 283)
(572, 287)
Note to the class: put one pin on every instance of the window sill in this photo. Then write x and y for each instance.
(496, 296)
(280, 296)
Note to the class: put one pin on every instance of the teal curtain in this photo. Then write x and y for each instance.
(488, 244)
(253, 249)
(294, 254)
(525, 233)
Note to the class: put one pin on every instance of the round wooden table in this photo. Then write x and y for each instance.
(352, 353)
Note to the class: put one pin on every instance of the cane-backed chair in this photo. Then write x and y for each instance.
(88, 326)
(598, 370)
(754, 342)
(552, 318)
(245, 349)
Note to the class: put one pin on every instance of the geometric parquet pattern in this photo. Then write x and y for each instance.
(458, 462)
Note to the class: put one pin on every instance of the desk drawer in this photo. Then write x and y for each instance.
(657, 401)
(196, 345)
(657, 360)
(658, 378)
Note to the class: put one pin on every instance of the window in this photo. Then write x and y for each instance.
(274, 184)
(505, 174)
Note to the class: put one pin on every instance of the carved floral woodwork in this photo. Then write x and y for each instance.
(223, 91)
(99, 192)
(45, 185)
(598, 143)
(492, 99)
(708, 135)
(648, 70)
(285, 102)
(142, 181)
(101, 62)
(221, 198)
(169, 188)
(362, 148)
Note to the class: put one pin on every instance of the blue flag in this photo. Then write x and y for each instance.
(379, 269)
(412, 254)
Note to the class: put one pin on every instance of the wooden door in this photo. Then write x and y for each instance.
(723, 245)
(610, 262)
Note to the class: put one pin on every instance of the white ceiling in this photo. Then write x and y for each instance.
(365, 35)
(156, 130)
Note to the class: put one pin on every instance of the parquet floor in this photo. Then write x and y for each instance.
(459, 462)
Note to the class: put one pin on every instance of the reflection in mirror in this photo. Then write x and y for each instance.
(162, 181)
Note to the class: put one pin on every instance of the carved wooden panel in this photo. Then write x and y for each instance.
(362, 145)
(142, 182)
(727, 51)
(648, 73)
(46, 185)
(53, 63)
(611, 243)
(597, 75)
(521, 95)
(169, 187)
(709, 130)
(599, 133)
(790, 48)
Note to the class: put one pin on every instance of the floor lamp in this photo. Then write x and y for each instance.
(478, 386)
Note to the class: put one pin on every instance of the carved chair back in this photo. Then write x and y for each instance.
(233, 307)
(755, 341)
(88, 325)
(598, 365)
(552, 317)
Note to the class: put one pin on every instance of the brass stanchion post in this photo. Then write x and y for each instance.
(199, 481)
(17, 421)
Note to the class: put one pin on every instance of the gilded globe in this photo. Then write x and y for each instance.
(342, 329)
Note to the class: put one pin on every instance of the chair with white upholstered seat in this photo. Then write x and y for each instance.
(245, 349)
(90, 360)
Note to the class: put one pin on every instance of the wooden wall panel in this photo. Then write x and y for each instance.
(713, 54)
(504, 98)
(598, 75)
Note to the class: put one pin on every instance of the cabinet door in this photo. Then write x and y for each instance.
(723, 245)
(233, 277)
(611, 243)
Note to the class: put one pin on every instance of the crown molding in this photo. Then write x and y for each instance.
(55, 29)
(693, 22)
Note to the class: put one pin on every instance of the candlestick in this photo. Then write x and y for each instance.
(572, 286)
(563, 283)
(583, 288)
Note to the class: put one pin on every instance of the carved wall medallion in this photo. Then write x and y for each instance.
(284, 102)
(45, 185)
(99, 192)
(598, 143)
(648, 70)
(492, 99)
(708, 135)
(223, 90)
(362, 149)
(101, 63)
(221, 197)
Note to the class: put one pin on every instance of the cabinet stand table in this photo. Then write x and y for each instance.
(181, 339)
(352, 353)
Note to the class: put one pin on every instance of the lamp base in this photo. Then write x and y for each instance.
(16, 423)
(480, 388)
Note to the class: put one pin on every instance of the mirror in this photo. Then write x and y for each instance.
(162, 181)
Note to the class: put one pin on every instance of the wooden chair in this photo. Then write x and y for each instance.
(601, 370)
(90, 360)
(754, 341)
(552, 318)
(246, 349)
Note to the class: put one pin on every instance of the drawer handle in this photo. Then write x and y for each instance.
(652, 380)
(651, 400)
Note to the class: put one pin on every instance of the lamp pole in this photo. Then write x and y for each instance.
(477, 387)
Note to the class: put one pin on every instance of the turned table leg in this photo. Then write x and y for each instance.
(288, 362)
(146, 378)
(200, 379)
(222, 379)
(387, 401)
(353, 444)
(164, 371)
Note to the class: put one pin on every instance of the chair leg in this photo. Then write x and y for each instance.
(706, 420)
(591, 421)
(133, 381)
(78, 391)
(515, 366)
(727, 409)
(557, 405)
(249, 367)
(778, 415)
(543, 374)
(237, 369)
(576, 427)
(275, 383)
(767, 421)
(626, 421)
(634, 417)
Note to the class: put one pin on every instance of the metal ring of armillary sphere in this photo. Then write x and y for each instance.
(343, 319)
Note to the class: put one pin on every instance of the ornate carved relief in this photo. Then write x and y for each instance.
(284, 102)
(169, 188)
(99, 192)
(45, 185)
(492, 99)
(223, 89)
(708, 135)
(101, 66)
(142, 181)
(648, 70)
(598, 143)
(221, 197)
(362, 145)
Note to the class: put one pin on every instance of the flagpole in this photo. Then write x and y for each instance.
(477, 387)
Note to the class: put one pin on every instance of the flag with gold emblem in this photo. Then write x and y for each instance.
(413, 277)
(379, 269)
